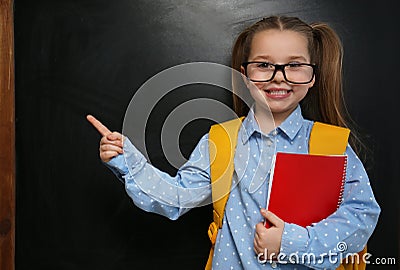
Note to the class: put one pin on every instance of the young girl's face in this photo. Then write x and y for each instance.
(279, 47)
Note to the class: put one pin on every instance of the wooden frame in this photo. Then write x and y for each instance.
(7, 137)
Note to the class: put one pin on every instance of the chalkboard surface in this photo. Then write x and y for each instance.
(80, 57)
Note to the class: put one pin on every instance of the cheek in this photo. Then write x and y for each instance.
(301, 91)
(254, 89)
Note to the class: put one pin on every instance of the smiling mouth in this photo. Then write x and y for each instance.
(277, 92)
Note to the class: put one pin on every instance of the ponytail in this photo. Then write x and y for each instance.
(324, 102)
(239, 54)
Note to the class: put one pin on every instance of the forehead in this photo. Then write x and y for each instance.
(277, 45)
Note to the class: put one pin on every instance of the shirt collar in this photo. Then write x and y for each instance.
(249, 126)
(290, 126)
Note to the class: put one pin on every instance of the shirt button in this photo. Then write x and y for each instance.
(269, 143)
(273, 265)
(274, 132)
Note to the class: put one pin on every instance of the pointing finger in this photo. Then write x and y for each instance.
(102, 129)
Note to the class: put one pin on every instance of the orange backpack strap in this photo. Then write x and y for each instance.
(222, 145)
(328, 139)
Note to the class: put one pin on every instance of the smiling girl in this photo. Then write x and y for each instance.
(293, 70)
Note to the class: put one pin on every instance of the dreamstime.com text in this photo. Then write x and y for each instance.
(332, 257)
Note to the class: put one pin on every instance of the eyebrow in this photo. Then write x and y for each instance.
(298, 57)
(290, 58)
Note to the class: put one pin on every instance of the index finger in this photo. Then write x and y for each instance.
(102, 129)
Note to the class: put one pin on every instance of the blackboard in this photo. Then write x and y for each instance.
(78, 57)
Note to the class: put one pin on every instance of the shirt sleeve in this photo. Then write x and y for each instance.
(155, 191)
(345, 232)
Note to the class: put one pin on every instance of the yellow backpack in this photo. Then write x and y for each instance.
(222, 140)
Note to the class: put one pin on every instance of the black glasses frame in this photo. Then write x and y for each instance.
(281, 68)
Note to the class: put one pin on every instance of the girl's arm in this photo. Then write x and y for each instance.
(155, 191)
(151, 189)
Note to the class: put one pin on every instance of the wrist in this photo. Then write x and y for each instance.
(295, 239)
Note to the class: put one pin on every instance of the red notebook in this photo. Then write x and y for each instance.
(305, 188)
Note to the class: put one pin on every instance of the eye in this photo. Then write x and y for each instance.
(265, 65)
(294, 64)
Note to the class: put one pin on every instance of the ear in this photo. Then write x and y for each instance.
(312, 83)
(242, 70)
(245, 79)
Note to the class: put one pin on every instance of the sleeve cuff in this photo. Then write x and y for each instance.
(294, 239)
(128, 162)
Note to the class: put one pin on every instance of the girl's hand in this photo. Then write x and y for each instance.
(268, 241)
(111, 144)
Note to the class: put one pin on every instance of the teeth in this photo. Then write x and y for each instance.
(279, 92)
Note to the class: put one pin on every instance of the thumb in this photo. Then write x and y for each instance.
(271, 217)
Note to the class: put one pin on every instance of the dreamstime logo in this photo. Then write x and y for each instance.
(148, 96)
(341, 246)
(330, 257)
(312, 258)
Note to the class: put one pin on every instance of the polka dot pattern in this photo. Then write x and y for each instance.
(171, 196)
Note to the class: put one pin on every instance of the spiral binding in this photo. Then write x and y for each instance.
(343, 181)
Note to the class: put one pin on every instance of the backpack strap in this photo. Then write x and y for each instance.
(328, 139)
(222, 145)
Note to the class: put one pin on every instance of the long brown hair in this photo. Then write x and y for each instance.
(325, 100)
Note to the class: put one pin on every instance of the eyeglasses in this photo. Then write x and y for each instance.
(297, 73)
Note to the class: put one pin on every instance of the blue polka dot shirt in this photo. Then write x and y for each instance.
(320, 246)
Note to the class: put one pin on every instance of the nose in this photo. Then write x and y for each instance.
(279, 77)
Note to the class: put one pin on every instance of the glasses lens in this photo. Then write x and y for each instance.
(295, 73)
(260, 71)
(299, 73)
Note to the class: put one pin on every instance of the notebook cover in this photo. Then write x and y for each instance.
(304, 188)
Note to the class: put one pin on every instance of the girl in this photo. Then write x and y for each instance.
(296, 68)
